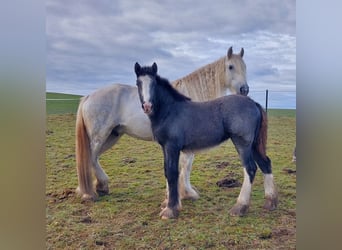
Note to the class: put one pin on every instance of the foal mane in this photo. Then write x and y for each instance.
(166, 86)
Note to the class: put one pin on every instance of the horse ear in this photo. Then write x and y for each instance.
(230, 52)
(154, 68)
(242, 52)
(137, 68)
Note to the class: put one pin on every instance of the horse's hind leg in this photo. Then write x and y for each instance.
(242, 205)
(99, 146)
(101, 182)
(271, 194)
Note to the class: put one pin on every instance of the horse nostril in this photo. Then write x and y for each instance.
(244, 90)
(147, 107)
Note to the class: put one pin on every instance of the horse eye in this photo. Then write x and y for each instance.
(231, 67)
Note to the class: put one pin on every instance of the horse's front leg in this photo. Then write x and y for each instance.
(171, 159)
(186, 191)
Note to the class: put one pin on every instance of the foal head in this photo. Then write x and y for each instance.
(235, 69)
(155, 91)
(146, 78)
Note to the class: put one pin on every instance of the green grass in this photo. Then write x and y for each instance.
(67, 104)
(128, 218)
(282, 112)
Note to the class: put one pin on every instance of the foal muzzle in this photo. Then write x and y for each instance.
(147, 107)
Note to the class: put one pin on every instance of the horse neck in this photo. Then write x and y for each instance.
(206, 83)
(163, 101)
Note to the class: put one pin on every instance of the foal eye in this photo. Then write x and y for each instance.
(231, 67)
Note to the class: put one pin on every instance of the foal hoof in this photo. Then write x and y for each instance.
(238, 210)
(168, 213)
(271, 203)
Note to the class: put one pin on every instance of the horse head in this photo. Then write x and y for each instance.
(146, 76)
(235, 69)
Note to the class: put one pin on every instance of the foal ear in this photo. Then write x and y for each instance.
(230, 52)
(137, 68)
(154, 68)
(242, 52)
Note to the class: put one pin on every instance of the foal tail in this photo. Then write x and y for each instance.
(261, 133)
(83, 157)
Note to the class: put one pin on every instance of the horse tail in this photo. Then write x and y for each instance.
(83, 156)
(260, 140)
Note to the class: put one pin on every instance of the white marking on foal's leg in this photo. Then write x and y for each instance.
(167, 212)
(271, 194)
(164, 203)
(242, 204)
(245, 193)
(269, 185)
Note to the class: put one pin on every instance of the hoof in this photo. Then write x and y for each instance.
(189, 195)
(271, 203)
(102, 189)
(239, 210)
(168, 213)
(102, 192)
(86, 197)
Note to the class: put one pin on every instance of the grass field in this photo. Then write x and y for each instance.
(57, 103)
(127, 218)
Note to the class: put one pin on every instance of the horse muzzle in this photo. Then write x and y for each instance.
(147, 107)
(244, 90)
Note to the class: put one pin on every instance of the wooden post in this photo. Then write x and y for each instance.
(266, 106)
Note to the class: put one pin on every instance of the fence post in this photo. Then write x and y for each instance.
(266, 100)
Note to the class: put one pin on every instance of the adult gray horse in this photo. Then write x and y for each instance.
(110, 112)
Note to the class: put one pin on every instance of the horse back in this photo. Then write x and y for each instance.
(241, 115)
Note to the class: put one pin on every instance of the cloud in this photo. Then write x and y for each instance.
(92, 44)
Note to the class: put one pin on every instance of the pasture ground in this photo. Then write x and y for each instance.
(128, 218)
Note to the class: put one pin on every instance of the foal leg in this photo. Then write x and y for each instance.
(242, 205)
(271, 194)
(186, 191)
(171, 160)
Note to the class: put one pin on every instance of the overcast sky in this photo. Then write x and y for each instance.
(91, 44)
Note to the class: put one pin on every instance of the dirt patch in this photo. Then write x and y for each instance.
(228, 183)
(289, 171)
(285, 233)
(59, 197)
(222, 165)
(129, 160)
